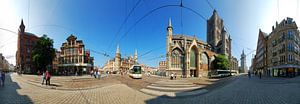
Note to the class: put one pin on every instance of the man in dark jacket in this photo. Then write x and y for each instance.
(2, 77)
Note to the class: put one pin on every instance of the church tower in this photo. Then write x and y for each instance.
(243, 68)
(135, 57)
(21, 32)
(214, 30)
(117, 59)
(22, 27)
(169, 43)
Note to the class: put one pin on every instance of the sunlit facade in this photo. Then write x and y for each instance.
(74, 59)
(187, 56)
(25, 45)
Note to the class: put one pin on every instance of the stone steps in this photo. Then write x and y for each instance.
(173, 88)
(180, 89)
(174, 85)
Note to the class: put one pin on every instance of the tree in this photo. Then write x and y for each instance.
(221, 62)
(43, 53)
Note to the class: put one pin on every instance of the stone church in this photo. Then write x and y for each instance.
(188, 56)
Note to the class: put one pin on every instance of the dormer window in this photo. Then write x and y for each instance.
(289, 20)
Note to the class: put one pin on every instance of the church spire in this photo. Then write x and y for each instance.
(22, 27)
(170, 28)
(118, 49)
(135, 56)
(170, 23)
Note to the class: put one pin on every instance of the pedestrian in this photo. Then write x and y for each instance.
(48, 77)
(95, 73)
(0, 78)
(3, 77)
(92, 72)
(259, 75)
(98, 74)
(43, 78)
(249, 74)
(175, 75)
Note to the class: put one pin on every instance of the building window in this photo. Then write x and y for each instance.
(177, 59)
(290, 34)
(28, 50)
(290, 47)
(193, 58)
(204, 58)
(274, 43)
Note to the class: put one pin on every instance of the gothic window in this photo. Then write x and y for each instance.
(204, 58)
(193, 58)
(177, 59)
(212, 59)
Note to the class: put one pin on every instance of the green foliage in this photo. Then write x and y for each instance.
(43, 53)
(221, 62)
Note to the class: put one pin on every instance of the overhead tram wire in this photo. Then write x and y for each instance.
(229, 33)
(144, 54)
(54, 25)
(161, 56)
(123, 23)
(28, 11)
(210, 5)
(153, 10)
(52, 11)
(9, 30)
(101, 53)
(181, 17)
(68, 29)
(5, 42)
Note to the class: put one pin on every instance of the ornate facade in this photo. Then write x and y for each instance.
(278, 53)
(119, 64)
(74, 59)
(187, 56)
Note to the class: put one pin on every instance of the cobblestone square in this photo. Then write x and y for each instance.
(237, 90)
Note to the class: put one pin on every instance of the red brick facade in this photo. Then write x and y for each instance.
(26, 42)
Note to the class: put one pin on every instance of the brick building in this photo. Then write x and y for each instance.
(26, 42)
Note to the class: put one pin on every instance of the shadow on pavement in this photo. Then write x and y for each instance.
(9, 94)
(178, 99)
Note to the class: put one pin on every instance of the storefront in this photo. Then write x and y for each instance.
(285, 71)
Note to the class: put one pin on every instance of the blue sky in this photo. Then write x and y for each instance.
(97, 22)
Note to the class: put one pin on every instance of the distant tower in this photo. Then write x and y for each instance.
(169, 43)
(135, 57)
(243, 68)
(19, 60)
(22, 27)
(117, 59)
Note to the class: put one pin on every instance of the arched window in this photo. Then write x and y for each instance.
(193, 58)
(204, 58)
(177, 59)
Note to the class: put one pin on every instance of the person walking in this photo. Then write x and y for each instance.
(3, 77)
(259, 75)
(0, 78)
(98, 74)
(48, 77)
(43, 78)
(249, 74)
(91, 73)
